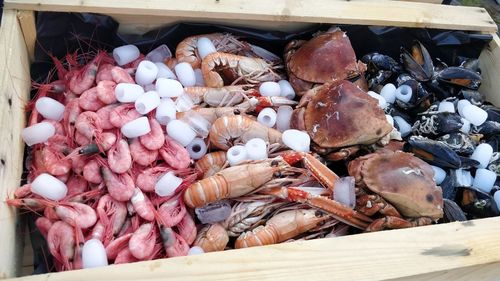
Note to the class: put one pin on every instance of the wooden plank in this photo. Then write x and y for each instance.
(27, 23)
(370, 256)
(483, 272)
(14, 90)
(490, 67)
(391, 13)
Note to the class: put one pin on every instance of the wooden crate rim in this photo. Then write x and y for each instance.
(369, 256)
(411, 253)
(367, 12)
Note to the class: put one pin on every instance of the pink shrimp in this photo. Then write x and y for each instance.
(84, 78)
(50, 213)
(88, 124)
(108, 140)
(146, 179)
(142, 205)
(155, 138)
(89, 100)
(59, 143)
(98, 232)
(57, 125)
(23, 191)
(71, 113)
(187, 228)
(76, 185)
(120, 75)
(78, 162)
(91, 172)
(140, 154)
(120, 186)
(118, 244)
(125, 256)
(174, 244)
(142, 242)
(43, 224)
(106, 92)
(126, 228)
(81, 139)
(175, 154)
(123, 114)
(77, 214)
(103, 114)
(61, 242)
(104, 73)
(112, 214)
(171, 212)
(119, 158)
(55, 162)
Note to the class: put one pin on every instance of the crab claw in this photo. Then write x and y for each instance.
(321, 173)
(335, 209)
(263, 102)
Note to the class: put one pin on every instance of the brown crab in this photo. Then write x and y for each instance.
(397, 185)
(339, 117)
(325, 58)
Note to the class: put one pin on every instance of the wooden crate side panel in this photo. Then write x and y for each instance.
(27, 23)
(483, 272)
(490, 67)
(14, 90)
(371, 256)
(391, 13)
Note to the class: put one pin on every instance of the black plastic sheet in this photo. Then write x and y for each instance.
(62, 33)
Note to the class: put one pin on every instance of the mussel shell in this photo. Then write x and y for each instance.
(419, 94)
(452, 211)
(449, 187)
(493, 112)
(441, 92)
(459, 76)
(379, 78)
(418, 63)
(441, 123)
(494, 141)
(433, 152)
(459, 142)
(487, 128)
(476, 203)
(475, 97)
(494, 164)
(376, 62)
(468, 163)
(472, 64)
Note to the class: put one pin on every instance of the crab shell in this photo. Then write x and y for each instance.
(403, 180)
(326, 57)
(340, 114)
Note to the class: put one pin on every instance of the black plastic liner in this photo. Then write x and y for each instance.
(62, 33)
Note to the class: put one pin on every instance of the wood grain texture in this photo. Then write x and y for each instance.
(14, 89)
(371, 256)
(392, 13)
(27, 23)
(490, 70)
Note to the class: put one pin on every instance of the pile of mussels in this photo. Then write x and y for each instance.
(446, 121)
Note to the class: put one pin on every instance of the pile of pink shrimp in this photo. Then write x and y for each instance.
(98, 174)
(109, 179)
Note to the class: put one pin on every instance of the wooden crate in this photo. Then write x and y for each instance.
(454, 251)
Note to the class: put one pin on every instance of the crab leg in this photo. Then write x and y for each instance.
(321, 173)
(391, 222)
(334, 208)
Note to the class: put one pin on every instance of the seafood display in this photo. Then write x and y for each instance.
(222, 144)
